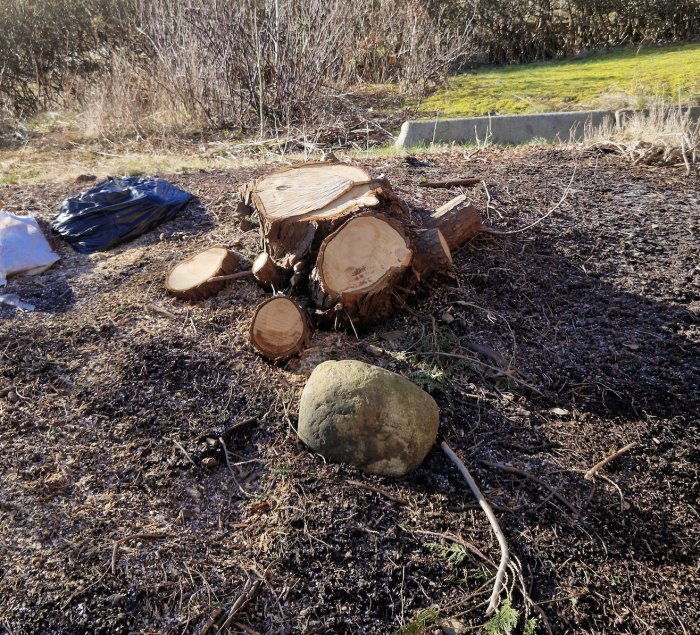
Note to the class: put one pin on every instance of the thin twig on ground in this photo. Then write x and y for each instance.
(154, 308)
(250, 590)
(230, 469)
(229, 431)
(380, 491)
(619, 491)
(185, 452)
(211, 621)
(448, 183)
(511, 469)
(501, 371)
(138, 536)
(563, 198)
(601, 464)
(498, 584)
(79, 592)
(457, 540)
(489, 206)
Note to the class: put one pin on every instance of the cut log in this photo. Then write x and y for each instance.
(447, 184)
(300, 206)
(357, 269)
(431, 253)
(458, 220)
(267, 273)
(192, 278)
(280, 328)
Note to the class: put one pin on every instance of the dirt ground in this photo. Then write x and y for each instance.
(575, 337)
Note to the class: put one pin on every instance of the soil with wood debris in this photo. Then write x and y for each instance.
(121, 511)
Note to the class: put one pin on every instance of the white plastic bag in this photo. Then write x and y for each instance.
(23, 248)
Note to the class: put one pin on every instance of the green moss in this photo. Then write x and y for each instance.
(626, 78)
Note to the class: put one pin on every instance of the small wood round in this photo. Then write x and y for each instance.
(280, 328)
(191, 279)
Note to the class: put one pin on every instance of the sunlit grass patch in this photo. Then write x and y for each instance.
(623, 79)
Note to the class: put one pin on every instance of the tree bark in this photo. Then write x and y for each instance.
(431, 253)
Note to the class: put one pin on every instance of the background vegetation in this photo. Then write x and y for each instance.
(137, 67)
(622, 79)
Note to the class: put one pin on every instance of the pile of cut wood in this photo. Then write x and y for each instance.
(339, 250)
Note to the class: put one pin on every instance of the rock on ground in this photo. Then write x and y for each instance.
(352, 412)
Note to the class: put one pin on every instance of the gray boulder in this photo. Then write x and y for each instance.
(352, 412)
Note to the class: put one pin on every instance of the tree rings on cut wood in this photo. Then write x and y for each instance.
(267, 273)
(300, 206)
(280, 328)
(432, 254)
(191, 279)
(357, 268)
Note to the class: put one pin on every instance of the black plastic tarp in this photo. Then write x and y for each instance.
(116, 211)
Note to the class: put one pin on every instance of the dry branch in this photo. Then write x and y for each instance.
(448, 183)
(498, 584)
(232, 276)
(601, 464)
(138, 536)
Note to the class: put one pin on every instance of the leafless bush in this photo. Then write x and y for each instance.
(44, 44)
(509, 31)
(266, 64)
(269, 65)
(662, 135)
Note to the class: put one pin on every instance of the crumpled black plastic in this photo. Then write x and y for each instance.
(116, 211)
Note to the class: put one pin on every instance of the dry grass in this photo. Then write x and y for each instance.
(662, 135)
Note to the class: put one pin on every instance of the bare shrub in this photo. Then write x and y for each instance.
(44, 44)
(285, 67)
(662, 135)
(269, 64)
(509, 31)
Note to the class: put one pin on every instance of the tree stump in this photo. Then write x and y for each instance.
(280, 328)
(355, 237)
(300, 206)
(191, 279)
(357, 269)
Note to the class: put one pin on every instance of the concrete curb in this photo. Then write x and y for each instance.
(511, 129)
